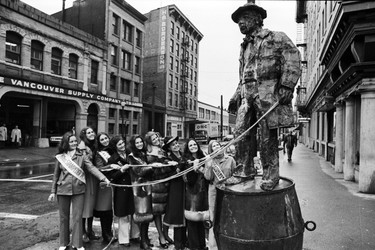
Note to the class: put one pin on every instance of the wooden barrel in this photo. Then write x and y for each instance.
(248, 218)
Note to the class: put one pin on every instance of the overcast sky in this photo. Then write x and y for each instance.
(219, 49)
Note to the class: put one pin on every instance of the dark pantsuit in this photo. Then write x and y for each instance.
(196, 234)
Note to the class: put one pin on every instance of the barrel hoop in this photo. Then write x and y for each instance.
(249, 241)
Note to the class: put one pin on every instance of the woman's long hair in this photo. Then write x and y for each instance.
(210, 150)
(64, 143)
(188, 155)
(83, 137)
(100, 146)
(113, 142)
(132, 148)
(148, 140)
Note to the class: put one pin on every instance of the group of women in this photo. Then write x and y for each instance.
(138, 182)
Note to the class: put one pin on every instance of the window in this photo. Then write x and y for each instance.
(171, 63)
(112, 83)
(192, 44)
(13, 47)
(201, 113)
(170, 80)
(196, 62)
(177, 49)
(137, 65)
(177, 66)
(182, 35)
(213, 115)
(196, 48)
(128, 32)
(135, 115)
(112, 113)
(126, 59)
(191, 104)
(171, 46)
(115, 24)
(125, 86)
(191, 89)
(170, 101)
(135, 129)
(176, 82)
(191, 74)
(195, 76)
(111, 128)
(36, 61)
(172, 28)
(191, 60)
(56, 60)
(208, 114)
(114, 55)
(136, 89)
(176, 100)
(138, 38)
(195, 105)
(178, 32)
(195, 90)
(94, 71)
(73, 66)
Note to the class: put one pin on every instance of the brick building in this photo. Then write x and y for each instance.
(52, 75)
(170, 89)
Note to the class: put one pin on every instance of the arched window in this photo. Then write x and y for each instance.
(13, 47)
(56, 61)
(36, 61)
(73, 66)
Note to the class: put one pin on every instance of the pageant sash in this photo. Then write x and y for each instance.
(71, 167)
(104, 155)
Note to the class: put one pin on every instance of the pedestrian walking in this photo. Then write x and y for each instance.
(16, 136)
(69, 186)
(290, 141)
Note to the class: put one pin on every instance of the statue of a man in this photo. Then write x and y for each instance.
(269, 71)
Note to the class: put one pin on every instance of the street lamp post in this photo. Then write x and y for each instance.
(123, 103)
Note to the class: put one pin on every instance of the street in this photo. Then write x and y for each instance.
(345, 218)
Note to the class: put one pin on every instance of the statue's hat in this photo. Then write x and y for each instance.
(250, 5)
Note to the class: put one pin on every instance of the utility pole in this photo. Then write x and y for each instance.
(221, 118)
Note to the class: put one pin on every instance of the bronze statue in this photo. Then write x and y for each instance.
(269, 71)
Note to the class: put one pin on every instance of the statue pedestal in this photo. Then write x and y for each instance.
(248, 218)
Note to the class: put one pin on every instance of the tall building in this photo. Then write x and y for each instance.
(337, 93)
(170, 89)
(52, 75)
(122, 26)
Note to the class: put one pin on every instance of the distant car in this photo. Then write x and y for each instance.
(228, 137)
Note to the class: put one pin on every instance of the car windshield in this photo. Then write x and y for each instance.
(200, 132)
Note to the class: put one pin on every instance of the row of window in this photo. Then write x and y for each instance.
(175, 31)
(185, 55)
(127, 61)
(185, 71)
(181, 102)
(13, 49)
(207, 114)
(127, 31)
(125, 86)
(183, 86)
(125, 131)
(112, 114)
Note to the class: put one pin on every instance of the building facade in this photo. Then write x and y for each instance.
(52, 75)
(336, 98)
(122, 26)
(211, 114)
(170, 89)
